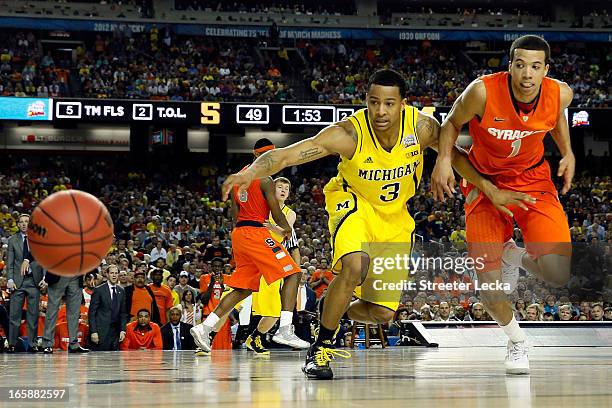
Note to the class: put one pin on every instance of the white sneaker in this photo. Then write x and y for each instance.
(517, 361)
(286, 335)
(201, 336)
(511, 259)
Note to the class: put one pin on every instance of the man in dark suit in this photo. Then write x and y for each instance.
(25, 278)
(175, 334)
(107, 313)
(305, 308)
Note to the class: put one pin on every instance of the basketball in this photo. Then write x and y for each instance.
(70, 232)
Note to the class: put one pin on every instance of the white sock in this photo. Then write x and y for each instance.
(211, 320)
(514, 331)
(286, 318)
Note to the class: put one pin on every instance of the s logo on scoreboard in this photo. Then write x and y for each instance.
(210, 113)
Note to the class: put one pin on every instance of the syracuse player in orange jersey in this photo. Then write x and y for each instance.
(509, 114)
(256, 254)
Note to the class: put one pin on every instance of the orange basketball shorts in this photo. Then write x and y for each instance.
(257, 254)
(544, 226)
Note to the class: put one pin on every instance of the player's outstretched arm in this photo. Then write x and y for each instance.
(561, 136)
(469, 104)
(339, 138)
(428, 130)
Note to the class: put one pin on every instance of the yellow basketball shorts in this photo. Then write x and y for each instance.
(356, 226)
(267, 301)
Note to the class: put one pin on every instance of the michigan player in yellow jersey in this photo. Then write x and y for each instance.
(267, 301)
(381, 163)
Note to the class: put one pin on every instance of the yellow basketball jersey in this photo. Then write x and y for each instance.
(285, 211)
(386, 180)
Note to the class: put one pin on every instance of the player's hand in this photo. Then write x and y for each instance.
(501, 199)
(243, 180)
(567, 167)
(268, 225)
(287, 233)
(10, 284)
(43, 284)
(121, 336)
(25, 265)
(95, 338)
(442, 180)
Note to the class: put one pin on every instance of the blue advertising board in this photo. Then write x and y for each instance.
(12, 108)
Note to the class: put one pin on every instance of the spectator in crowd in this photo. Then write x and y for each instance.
(565, 312)
(192, 311)
(175, 334)
(212, 286)
(158, 252)
(215, 250)
(608, 313)
(443, 312)
(585, 309)
(551, 305)
(182, 286)
(533, 313)
(107, 313)
(477, 312)
(519, 310)
(140, 296)
(305, 309)
(171, 285)
(597, 312)
(123, 279)
(89, 282)
(321, 278)
(459, 315)
(163, 295)
(142, 334)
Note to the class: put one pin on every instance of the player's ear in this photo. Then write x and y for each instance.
(546, 68)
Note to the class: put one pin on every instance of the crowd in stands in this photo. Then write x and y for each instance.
(157, 65)
(175, 225)
(25, 70)
(161, 65)
(266, 6)
(337, 72)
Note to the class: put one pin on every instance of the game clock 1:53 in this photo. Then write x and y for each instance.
(308, 115)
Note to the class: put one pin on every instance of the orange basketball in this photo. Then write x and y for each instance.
(70, 232)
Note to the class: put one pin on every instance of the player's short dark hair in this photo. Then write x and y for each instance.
(262, 143)
(531, 42)
(284, 180)
(144, 310)
(388, 77)
(217, 259)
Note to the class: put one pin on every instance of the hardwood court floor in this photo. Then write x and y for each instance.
(397, 376)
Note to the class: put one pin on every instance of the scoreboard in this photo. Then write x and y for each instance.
(217, 114)
(199, 113)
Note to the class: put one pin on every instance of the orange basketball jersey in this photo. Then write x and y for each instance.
(252, 203)
(505, 142)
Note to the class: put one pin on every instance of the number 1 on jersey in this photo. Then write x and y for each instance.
(516, 146)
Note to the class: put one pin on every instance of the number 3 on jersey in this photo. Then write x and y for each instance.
(516, 146)
(391, 192)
